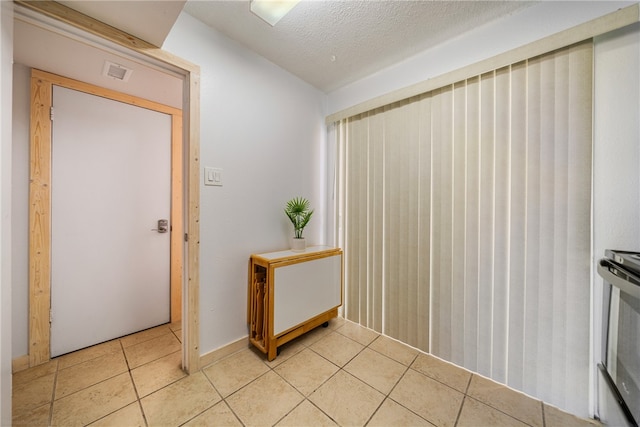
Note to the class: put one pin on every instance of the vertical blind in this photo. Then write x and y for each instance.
(465, 218)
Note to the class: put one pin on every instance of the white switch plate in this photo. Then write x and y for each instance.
(213, 176)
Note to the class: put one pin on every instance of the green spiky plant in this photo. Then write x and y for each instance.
(298, 212)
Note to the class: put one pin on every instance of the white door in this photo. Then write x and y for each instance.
(110, 184)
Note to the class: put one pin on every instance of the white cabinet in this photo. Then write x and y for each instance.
(291, 293)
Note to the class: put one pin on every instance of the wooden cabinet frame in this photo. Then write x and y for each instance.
(261, 299)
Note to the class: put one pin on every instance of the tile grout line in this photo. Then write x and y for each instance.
(135, 388)
(410, 367)
(319, 409)
(400, 404)
(495, 408)
(387, 396)
(224, 398)
(272, 369)
(464, 399)
(139, 398)
(305, 397)
(341, 368)
(499, 410)
(292, 409)
(231, 409)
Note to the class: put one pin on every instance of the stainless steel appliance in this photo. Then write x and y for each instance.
(619, 366)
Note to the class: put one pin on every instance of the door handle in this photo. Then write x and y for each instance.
(163, 226)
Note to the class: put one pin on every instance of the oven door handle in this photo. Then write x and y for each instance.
(604, 266)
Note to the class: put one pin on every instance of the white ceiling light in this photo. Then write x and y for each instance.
(271, 11)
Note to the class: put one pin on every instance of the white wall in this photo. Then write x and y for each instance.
(528, 25)
(20, 210)
(264, 128)
(6, 60)
(616, 164)
(48, 45)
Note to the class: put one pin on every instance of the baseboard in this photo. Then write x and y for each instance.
(222, 352)
(20, 363)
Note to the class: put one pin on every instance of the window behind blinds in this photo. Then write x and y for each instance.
(466, 223)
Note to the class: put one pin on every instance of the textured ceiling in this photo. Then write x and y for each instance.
(330, 44)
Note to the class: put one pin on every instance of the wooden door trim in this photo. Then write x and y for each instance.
(191, 112)
(40, 206)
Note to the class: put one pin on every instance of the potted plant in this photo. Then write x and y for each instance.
(298, 212)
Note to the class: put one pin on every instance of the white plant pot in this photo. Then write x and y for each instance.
(298, 245)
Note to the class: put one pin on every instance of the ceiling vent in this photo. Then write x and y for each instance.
(116, 71)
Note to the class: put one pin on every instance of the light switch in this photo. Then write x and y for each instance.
(213, 176)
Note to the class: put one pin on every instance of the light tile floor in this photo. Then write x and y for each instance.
(342, 375)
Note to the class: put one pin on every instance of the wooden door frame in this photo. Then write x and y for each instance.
(39, 260)
(42, 84)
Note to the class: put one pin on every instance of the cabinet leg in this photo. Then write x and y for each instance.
(325, 325)
(273, 350)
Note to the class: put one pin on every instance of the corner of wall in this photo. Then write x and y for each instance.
(6, 77)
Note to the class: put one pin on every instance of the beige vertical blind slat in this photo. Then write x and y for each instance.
(533, 260)
(423, 256)
(472, 223)
(336, 136)
(392, 225)
(355, 138)
(442, 220)
(376, 218)
(467, 223)
(517, 218)
(501, 224)
(359, 210)
(560, 222)
(412, 182)
(394, 205)
(486, 223)
(458, 223)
